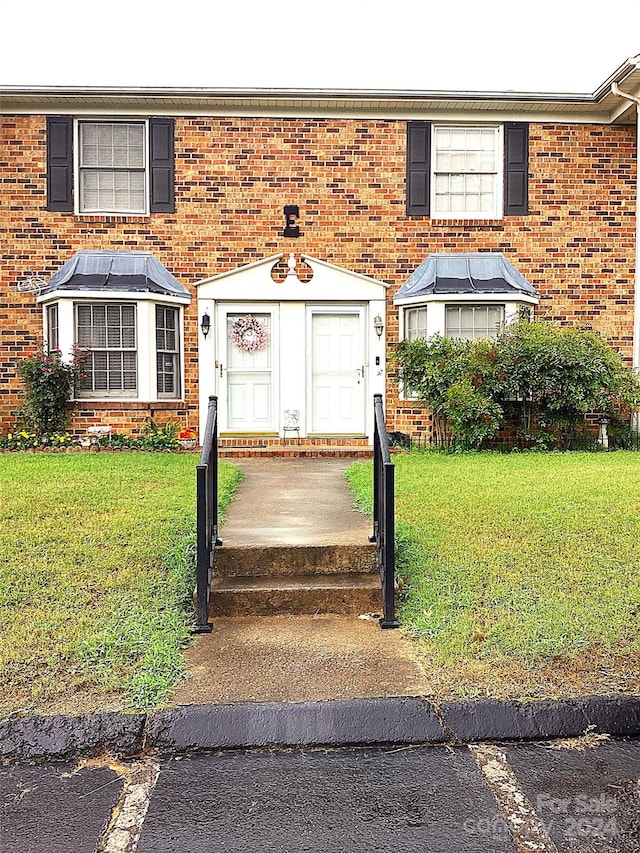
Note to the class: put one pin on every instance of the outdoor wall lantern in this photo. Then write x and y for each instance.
(378, 325)
(205, 324)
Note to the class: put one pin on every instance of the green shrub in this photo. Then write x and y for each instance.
(537, 378)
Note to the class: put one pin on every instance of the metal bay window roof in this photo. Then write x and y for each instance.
(482, 273)
(103, 270)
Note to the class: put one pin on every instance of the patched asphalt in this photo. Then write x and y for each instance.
(588, 800)
(55, 808)
(569, 796)
(347, 800)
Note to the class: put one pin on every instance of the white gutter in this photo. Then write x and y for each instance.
(636, 299)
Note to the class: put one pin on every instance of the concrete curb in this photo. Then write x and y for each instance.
(246, 725)
(332, 722)
(62, 736)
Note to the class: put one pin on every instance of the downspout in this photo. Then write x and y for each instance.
(636, 300)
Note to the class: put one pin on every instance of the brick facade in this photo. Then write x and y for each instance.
(232, 179)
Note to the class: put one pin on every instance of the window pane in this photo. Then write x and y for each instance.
(52, 327)
(108, 331)
(112, 167)
(109, 144)
(469, 322)
(167, 361)
(415, 323)
(465, 171)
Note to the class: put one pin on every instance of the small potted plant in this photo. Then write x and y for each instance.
(188, 438)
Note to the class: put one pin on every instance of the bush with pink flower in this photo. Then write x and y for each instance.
(49, 384)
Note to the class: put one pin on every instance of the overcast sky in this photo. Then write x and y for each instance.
(481, 45)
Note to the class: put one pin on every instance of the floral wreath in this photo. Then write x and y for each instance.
(249, 334)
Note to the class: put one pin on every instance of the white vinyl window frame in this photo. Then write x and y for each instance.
(145, 336)
(469, 322)
(109, 171)
(413, 327)
(433, 322)
(52, 336)
(167, 351)
(415, 323)
(467, 176)
(108, 331)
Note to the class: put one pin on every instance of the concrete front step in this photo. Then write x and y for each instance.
(263, 560)
(295, 595)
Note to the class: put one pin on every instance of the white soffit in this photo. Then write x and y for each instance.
(601, 107)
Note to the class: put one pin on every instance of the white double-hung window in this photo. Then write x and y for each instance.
(167, 351)
(467, 175)
(112, 167)
(415, 323)
(108, 333)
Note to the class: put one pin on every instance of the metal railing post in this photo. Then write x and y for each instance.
(389, 617)
(384, 514)
(203, 626)
(207, 516)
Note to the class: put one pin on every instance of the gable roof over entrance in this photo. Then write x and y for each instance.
(328, 283)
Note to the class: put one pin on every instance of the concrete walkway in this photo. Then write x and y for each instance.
(294, 502)
(303, 502)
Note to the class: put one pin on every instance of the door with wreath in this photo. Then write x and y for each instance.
(247, 379)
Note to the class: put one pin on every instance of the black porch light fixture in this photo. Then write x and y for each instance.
(205, 324)
(378, 325)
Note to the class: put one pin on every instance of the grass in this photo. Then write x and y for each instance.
(96, 575)
(520, 572)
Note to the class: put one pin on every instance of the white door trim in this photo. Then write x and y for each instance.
(340, 308)
(223, 309)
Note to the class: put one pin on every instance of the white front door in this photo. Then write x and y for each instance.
(337, 372)
(248, 381)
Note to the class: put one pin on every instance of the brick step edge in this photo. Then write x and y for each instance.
(229, 441)
(333, 722)
(295, 452)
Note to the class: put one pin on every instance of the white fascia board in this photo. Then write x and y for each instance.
(587, 114)
(500, 298)
(272, 259)
(628, 67)
(313, 261)
(117, 296)
(399, 105)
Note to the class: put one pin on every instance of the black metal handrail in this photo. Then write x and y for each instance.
(384, 514)
(207, 516)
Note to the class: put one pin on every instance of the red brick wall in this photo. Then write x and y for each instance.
(233, 178)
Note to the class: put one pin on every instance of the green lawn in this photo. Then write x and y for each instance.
(96, 576)
(521, 567)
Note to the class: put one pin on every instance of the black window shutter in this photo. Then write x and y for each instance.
(418, 168)
(516, 169)
(60, 163)
(161, 157)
